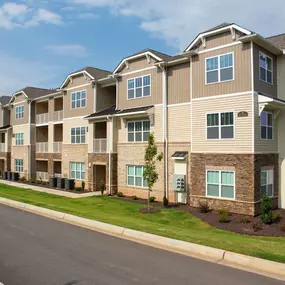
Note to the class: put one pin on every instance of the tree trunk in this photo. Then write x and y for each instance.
(148, 196)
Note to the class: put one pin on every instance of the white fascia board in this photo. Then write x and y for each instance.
(74, 74)
(15, 94)
(131, 113)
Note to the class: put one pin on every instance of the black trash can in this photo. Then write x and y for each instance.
(10, 174)
(69, 184)
(60, 183)
(6, 175)
(15, 176)
(53, 182)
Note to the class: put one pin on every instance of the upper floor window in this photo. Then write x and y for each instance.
(267, 182)
(219, 68)
(139, 87)
(78, 135)
(265, 68)
(78, 99)
(19, 112)
(220, 126)
(266, 125)
(19, 165)
(138, 131)
(19, 139)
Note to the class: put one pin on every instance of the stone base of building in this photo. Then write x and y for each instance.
(6, 157)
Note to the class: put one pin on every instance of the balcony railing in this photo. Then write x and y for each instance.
(2, 147)
(100, 145)
(42, 176)
(57, 175)
(42, 118)
(58, 116)
(42, 147)
(57, 146)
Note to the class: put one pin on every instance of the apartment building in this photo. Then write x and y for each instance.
(216, 111)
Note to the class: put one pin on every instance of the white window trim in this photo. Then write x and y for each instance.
(220, 126)
(17, 107)
(77, 100)
(142, 87)
(219, 69)
(142, 131)
(261, 53)
(19, 139)
(19, 167)
(80, 135)
(140, 187)
(220, 184)
(70, 170)
(267, 127)
(267, 170)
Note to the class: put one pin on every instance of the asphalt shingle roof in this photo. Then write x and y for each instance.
(34, 92)
(278, 41)
(4, 100)
(97, 73)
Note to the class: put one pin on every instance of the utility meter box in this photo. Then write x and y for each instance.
(179, 183)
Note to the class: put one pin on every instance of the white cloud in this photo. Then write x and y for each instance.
(68, 50)
(87, 16)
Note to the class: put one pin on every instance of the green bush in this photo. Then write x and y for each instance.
(266, 210)
(83, 186)
(224, 216)
(165, 202)
(245, 220)
(120, 194)
(276, 217)
(102, 187)
(152, 199)
(135, 197)
(23, 178)
(204, 207)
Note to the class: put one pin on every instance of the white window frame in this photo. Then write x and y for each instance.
(267, 139)
(79, 171)
(142, 131)
(267, 174)
(141, 187)
(19, 115)
(75, 136)
(219, 68)
(19, 165)
(80, 100)
(220, 184)
(134, 79)
(19, 141)
(220, 126)
(266, 69)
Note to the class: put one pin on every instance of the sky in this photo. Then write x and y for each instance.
(42, 41)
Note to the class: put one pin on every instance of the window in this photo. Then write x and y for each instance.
(266, 181)
(266, 125)
(19, 139)
(19, 165)
(265, 68)
(19, 112)
(77, 170)
(78, 99)
(220, 126)
(221, 184)
(135, 176)
(219, 68)
(138, 131)
(139, 87)
(78, 135)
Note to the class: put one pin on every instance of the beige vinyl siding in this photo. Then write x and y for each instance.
(68, 124)
(77, 81)
(106, 97)
(137, 64)
(20, 100)
(178, 80)
(261, 86)
(179, 123)
(4, 116)
(157, 128)
(20, 152)
(242, 73)
(242, 125)
(155, 90)
(21, 129)
(280, 77)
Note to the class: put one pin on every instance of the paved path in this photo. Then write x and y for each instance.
(35, 250)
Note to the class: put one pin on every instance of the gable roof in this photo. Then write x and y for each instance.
(4, 100)
(278, 41)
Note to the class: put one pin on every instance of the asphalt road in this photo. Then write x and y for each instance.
(36, 251)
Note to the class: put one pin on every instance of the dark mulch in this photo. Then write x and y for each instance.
(150, 211)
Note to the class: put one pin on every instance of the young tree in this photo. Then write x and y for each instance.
(151, 157)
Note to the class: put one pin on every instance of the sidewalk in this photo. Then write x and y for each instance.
(50, 191)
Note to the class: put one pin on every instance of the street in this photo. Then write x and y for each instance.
(35, 250)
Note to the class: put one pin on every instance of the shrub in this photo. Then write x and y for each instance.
(83, 186)
(32, 181)
(23, 178)
(102, 187)
(152, 199)
(165, 202)
(224, 216)
(257, 227)
(266, 210)
(282, 228)
(204, 207)
(276, 217)
(134, 197)
(78, 189)
(120, 194)
(245, 220)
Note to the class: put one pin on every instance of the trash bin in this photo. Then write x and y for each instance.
(10, 174)
(15, 176)
(60, 183)
(53, 182)
(69, 184)
(6, 175)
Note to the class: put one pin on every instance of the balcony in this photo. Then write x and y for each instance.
(58, 116)
(42, 119)
(42, 176)
(100, 145)
(57, 147)
(2, 147)
(42, 147)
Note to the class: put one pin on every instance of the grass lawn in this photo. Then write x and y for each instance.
(168, 222)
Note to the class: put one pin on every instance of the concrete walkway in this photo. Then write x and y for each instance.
(50, 191)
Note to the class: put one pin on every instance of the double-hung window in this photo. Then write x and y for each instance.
(220, 184)
(138, 131)
(265, 68)
(19, 165)
(19, 138)
(220, 68)
(135, 176)
(267, 182)
(220, 126)
(78, 99)
(77, 170)
(139, 87)
(78, 135)
(266, 125)
(19, 112)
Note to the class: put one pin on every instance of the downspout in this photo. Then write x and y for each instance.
(110, 152)
(29, 142)
(253, 98)
(95, 98)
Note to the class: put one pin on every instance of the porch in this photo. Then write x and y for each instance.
(42, 170)
(100, 137)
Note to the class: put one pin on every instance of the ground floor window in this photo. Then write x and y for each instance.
(266, 182)
(135, 176)
(220, 184)
(19, 165)
(77, 170)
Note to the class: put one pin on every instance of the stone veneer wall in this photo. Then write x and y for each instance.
(50, 157)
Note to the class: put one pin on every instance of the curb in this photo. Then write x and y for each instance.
(248, 263)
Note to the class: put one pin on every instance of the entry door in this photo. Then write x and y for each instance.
(180, 168)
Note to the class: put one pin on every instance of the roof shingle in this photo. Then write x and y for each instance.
(278, 41)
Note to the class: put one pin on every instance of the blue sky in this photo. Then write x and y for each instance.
(44, 40)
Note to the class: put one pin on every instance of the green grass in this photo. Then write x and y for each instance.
(168, 222)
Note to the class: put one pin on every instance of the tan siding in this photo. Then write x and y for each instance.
(179, 123)
(25, 120)
(259, 85)
(137, 64)
(155, 92)
(243, 125)
(1, 116)
(242, 73)
(68, 124)
(178, 81)
(6, 117)
(20, 152)
(21, 129)
(77, 81)
(106, 97)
